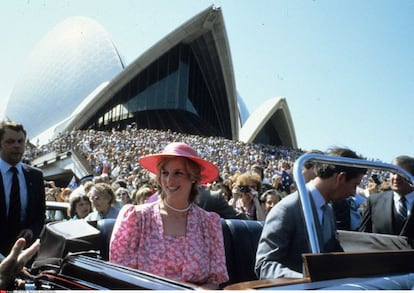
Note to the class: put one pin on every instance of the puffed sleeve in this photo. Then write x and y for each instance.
(218, 267)
(125, 238)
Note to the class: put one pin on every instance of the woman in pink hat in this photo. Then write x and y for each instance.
(173, 237)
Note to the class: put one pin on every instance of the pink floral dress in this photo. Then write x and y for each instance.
(138, 241)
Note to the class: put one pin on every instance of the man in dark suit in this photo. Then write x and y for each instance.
(383, 213)
(284, 238)
(22, 196)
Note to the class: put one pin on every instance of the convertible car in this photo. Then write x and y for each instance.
(74, 254)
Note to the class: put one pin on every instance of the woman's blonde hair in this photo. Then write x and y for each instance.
(142, 193)
(105, 190)
(245, 178)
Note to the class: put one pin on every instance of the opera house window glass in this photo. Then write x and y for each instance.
(172, 82)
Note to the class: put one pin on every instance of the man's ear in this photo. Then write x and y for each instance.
(341, 177)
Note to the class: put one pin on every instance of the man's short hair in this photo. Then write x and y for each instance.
(405, 161)
(7, 124)
(324, 170)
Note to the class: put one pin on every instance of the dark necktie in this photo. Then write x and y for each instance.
(326, 223)
(342, 214)
(15, 205)
(402, 208)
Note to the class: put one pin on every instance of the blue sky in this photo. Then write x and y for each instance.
(345, 67)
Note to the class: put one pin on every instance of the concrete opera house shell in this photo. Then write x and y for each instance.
(185, 83)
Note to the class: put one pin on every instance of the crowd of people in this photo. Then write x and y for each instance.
(144, 177)
(117, 152)
(114, 158)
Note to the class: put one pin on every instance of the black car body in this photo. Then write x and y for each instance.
(371, 261)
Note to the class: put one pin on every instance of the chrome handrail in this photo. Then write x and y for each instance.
(343, 161)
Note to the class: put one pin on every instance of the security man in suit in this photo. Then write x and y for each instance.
(22, 192)
(391, 211)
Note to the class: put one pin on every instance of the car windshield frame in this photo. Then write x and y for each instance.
(343, 161)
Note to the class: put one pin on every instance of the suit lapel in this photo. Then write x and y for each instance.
(27, 177)
(409, 223)
(29, 188)
(389, 206)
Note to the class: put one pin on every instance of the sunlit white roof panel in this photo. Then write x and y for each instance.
(74, 58)
(276, 108)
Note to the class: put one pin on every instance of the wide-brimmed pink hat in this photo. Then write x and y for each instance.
(209, 171)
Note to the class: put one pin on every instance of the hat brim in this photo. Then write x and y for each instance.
(209, 171)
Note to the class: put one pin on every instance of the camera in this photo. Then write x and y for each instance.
(244, 188)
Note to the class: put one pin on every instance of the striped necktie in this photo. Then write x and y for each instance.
(402, 208)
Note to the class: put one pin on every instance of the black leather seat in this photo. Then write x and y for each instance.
(241, 238)
(105, 226)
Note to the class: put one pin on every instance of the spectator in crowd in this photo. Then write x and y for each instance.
(50, 195)
(269, 199)
(12, 265)
(214, 201)
(22, 191)
(103, 178)
(225, 190)
(259, 170)
(373, 185)
(308, 168)
(390, 212)
(284, 238)
(287, 179)
(64, 195)
(277, 183)
(122, 197)
(51, 191)
(185, 240)
(119, 183)
(79, 206)
(142, 194)
(103, 199)
(246, 196)
(87, 186)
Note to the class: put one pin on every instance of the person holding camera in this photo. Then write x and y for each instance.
(246, 196)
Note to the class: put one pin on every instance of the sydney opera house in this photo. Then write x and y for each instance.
(75, 78)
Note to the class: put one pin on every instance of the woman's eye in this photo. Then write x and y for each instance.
(179, 173)
(164, 173)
